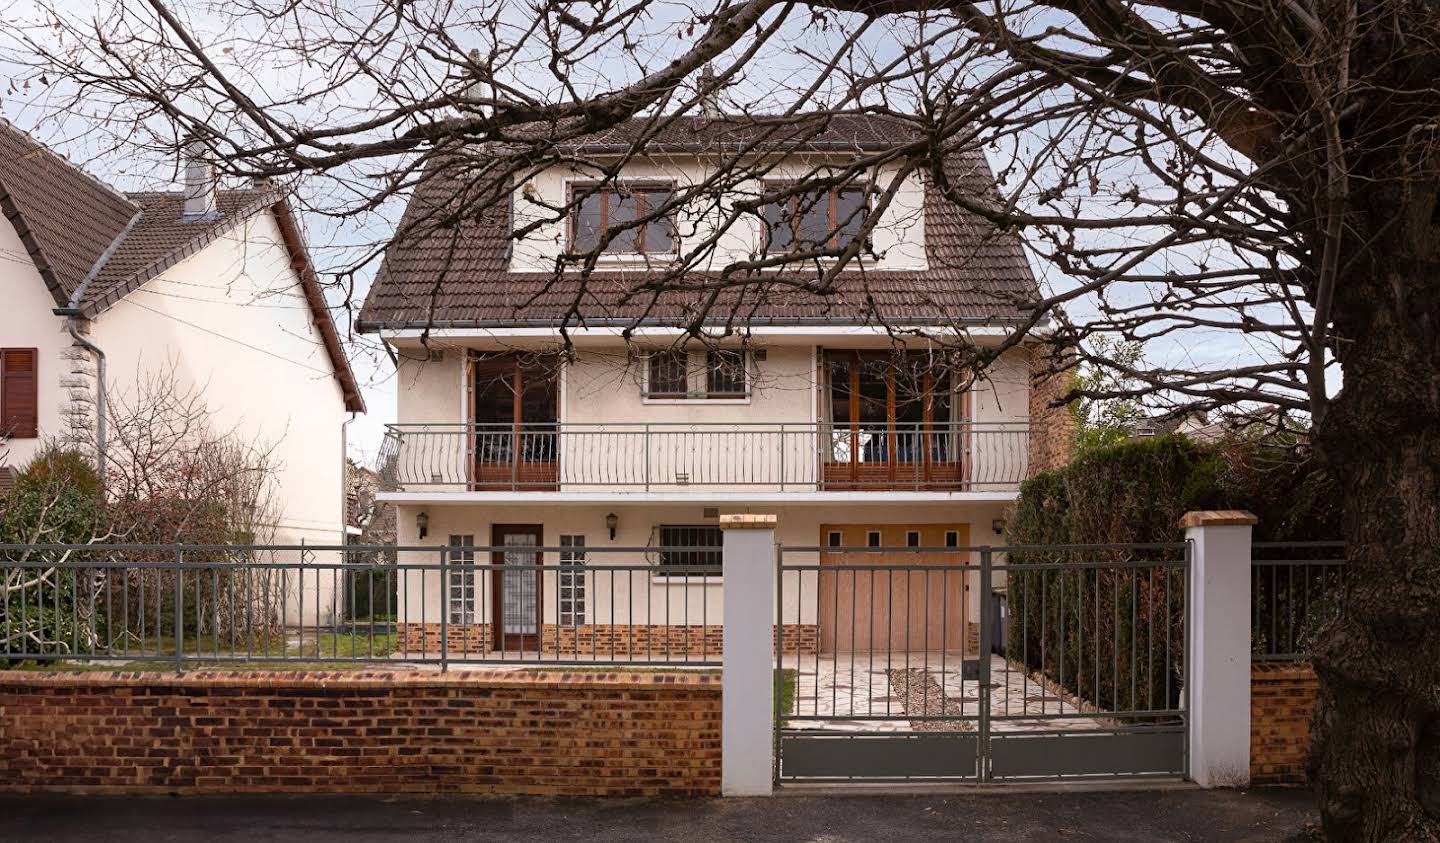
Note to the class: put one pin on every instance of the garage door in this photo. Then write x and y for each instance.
(899, 609)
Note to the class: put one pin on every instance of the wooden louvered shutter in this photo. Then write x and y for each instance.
(19, 393)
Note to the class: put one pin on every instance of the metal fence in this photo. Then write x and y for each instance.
(1294, 591)
(780, 456)
(189, 606)
(985, 663)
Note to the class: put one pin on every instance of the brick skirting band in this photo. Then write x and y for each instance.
(551, 733)
(638, 641)
(1282, 698)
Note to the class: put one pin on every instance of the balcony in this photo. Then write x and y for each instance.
(663, 457)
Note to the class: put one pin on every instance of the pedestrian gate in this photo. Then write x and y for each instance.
(981, 664)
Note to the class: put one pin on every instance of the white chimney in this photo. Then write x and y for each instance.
(200, 181)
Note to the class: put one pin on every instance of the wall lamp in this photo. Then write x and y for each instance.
(422, 524)
(611, 522)
(998, 525)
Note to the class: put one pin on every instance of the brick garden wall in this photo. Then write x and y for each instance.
(1282, 696)
(640, 641)
(554, 733)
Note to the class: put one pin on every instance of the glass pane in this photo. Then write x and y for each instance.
(587, 222)
(849, 215)
(668, 374)
(494, 409)
(874, 409)
(725, 373)
(779, 234)
(659, 234)
(623, 207)
(840, 437)
(518, 594)
(813, 229)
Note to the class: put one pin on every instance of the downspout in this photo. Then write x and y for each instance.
(72, 313)
(345, 479)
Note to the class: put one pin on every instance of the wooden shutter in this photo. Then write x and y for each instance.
(19, 393)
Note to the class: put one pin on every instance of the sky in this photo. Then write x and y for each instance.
(335, 243)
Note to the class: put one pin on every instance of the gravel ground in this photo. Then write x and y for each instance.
(919, 694)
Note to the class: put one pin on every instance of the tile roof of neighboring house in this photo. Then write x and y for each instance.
(457, 275)
(84, 235)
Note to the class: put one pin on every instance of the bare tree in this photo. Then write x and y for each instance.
(1252, 183)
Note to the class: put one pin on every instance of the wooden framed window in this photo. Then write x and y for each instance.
(872, 538)
(952, 538)
(834, 539)
(829, 218)
(690, 545)
(19, 393)
(912, 538)
(603, 209)
(725, 375)
(668, 375)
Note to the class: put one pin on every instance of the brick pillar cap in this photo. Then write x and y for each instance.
(746, 521)
(1218, 518)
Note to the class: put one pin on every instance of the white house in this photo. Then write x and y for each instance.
(104, 288)
(816, 410)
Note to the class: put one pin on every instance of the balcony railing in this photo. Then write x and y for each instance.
(955, 457)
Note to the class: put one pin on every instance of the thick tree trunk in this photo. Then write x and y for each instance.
(1375, 759)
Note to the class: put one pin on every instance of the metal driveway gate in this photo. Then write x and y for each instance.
(981, 664)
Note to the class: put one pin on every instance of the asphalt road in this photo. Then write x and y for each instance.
(1182, 815)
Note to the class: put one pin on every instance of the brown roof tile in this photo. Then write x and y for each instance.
(458, 275)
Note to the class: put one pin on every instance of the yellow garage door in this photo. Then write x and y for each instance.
(904, 608)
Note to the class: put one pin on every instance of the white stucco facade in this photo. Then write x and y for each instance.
(231, 323)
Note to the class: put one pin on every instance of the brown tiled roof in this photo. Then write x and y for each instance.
(66, 219)
(458, 275)
(78, 229)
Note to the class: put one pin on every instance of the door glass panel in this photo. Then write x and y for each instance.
(518, 589)
(538, 406)
(494, 410)
(874, 420)
(840, 434)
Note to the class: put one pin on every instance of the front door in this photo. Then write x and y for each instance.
(517, 587)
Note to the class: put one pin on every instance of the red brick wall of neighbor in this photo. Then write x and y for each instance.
(1052, 429)
(550, 733)
(1282, 698)
(694, 641)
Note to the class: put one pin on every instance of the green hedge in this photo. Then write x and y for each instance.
(1136, 492)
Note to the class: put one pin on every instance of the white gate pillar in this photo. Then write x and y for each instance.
(747, 739)
(1218, 649)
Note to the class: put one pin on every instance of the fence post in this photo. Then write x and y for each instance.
(748, 681)
(179, 623)
(1218, 647)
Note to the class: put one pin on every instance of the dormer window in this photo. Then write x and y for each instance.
(609, 207)
(815, 219)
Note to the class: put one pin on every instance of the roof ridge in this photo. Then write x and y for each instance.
(5, 122)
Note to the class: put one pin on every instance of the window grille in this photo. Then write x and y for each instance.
(725, 373)
(697, 545)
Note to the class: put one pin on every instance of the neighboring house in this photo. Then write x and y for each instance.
(210, 286)
(815, 412)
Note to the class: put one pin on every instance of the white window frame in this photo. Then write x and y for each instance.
(571, 583)
(460, 590)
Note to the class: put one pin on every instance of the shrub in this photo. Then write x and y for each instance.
(1131, 621)
(55, 500)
